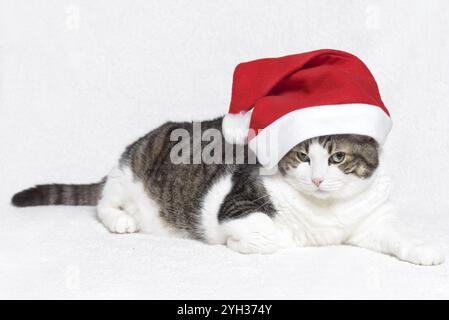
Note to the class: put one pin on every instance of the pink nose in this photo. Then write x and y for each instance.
(317, 181)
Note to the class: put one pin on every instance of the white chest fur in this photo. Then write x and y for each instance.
(307, 221)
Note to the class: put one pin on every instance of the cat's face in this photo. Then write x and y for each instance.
(335, 166)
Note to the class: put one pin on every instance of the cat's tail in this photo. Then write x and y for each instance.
(57, 194)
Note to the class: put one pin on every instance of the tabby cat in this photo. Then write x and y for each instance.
(326, 191)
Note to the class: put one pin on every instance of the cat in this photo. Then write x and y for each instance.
(327, 190)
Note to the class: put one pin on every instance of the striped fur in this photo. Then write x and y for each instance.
(59, 194)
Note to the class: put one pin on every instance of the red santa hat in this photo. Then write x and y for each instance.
(279, 102)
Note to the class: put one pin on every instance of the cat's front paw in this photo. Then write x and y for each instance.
(123, 224)
(255, 233)
(424, 255)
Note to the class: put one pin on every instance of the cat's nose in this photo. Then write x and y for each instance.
(317, 181)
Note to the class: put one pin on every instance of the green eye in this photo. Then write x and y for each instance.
(337, 157)
(303, 157)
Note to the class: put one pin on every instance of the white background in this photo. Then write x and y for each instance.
(79, 80)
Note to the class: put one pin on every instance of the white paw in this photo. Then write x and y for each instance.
(424, 255)
(123, 224)
(255, 233)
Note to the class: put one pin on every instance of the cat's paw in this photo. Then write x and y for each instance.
(255, 233)
(424, 255)
(122, 224)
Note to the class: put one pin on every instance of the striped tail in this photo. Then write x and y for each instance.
(57, 194)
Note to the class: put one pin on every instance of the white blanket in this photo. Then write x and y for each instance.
(79, 82)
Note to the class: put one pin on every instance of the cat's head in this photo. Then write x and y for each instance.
(335, 166)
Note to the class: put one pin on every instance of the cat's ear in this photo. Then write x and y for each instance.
(235, 127)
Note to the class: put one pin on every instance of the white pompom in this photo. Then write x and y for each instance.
(235, 127)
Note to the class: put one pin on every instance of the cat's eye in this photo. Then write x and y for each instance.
(337, 157)
(303, 157)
